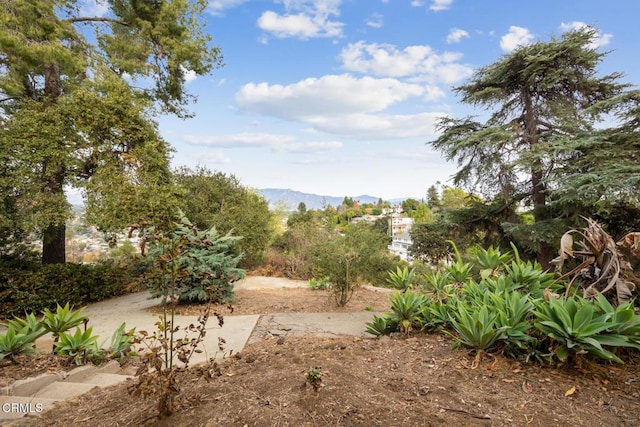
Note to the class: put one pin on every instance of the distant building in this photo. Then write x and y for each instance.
(399, 246)
(400, 224)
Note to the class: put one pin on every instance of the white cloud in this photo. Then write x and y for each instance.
(517, 36)
(375, 21)
(456, 34)
(387, 60)
(217, 7)
(330, 95)
(438, 5)
(417, 3)
(93, 8)
(599, 40)
(275, 142)
(189, 75)
(380, 126)
(303, 19)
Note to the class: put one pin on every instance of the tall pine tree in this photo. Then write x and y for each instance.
(537, 94)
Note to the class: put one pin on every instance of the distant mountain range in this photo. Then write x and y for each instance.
(292, 198)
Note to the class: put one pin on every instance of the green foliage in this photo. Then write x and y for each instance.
(439, 286)
(540, 98)
(475, 327)
(319, 284)
(380, 325)
(405, 309)
(71, 117)
(37, 287)
(514, 312)
(430, 242)
(82, 346)
(575, 328)
(121, 342)
(402, 279)
(314, 377)
(350, 258)
(29, 324)
(17, 341)
(62, 320)
(193, 265)
(490, 260)
(215, 199)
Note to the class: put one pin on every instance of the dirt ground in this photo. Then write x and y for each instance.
(393, 381)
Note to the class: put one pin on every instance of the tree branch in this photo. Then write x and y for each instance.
(97, 19)
(9, 98)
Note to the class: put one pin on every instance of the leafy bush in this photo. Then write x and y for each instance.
(319, 284)
(195, 265)
(45, 286)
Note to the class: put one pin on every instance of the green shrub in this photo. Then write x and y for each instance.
(48, 285)
(319, 284)
(194, 265)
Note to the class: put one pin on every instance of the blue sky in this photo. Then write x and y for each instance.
(339, 97)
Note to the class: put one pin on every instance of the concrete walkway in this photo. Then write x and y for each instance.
(38, 393)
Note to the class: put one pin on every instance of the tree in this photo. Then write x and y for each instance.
(220, 200)
(541, 93)
(605, 165)
(433, 199)
(410, 205)
(71, 115)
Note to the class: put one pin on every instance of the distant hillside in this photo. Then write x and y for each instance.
(292, 198)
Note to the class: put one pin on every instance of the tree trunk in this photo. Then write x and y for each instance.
(539, 197)
(538, 190)
(53, 238)
(53, 244)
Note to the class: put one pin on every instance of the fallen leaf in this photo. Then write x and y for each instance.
(526, 387)
(505, 380)
(570, 391)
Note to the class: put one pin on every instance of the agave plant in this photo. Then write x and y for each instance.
(402, 279)
(17, 341)
(490, 260)
(82, 346)
(405, 309)
(475, 327)
(439, 286)
(62, 320)
(29, 324)
(513, 311)
(380, 325)
(576, 327)
(459, 271)
(121, 342)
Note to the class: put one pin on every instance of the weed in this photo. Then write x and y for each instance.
(314, 377)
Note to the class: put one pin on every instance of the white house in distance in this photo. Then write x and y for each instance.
(400, 238)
